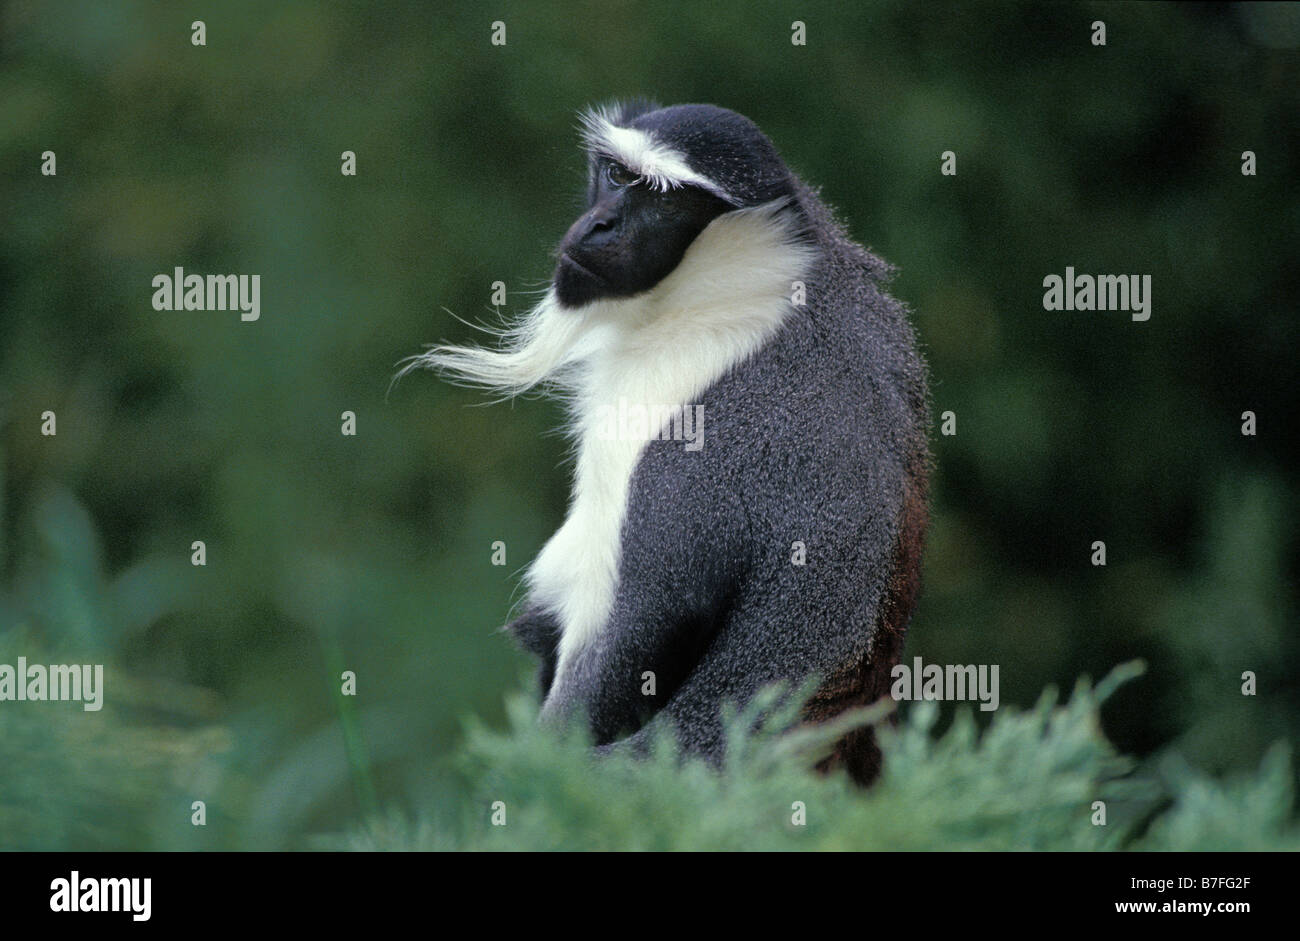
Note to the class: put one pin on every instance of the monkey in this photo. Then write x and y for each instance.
(704, 278)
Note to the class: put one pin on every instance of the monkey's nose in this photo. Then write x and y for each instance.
(583, 228)
(599, 224)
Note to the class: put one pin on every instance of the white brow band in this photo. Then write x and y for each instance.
(658, 164)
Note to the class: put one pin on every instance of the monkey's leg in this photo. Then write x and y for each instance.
(742, 659)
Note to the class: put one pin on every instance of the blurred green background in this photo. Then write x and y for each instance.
(372, 553)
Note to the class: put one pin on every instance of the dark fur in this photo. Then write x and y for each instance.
(819, 437)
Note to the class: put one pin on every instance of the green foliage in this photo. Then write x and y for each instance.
(1027, 783)
(370, 554)
(1249, 813)
(121, 777)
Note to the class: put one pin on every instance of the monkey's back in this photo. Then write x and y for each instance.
(806, 506)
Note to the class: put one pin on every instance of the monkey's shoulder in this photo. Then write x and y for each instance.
(803, 432)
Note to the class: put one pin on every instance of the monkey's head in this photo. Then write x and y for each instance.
(657, 177)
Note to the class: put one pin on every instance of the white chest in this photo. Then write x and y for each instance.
(651, 355)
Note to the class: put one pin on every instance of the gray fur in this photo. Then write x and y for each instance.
(819, 437)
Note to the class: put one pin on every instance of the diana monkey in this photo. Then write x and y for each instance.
(704, 276)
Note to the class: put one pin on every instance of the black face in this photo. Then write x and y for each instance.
(631, 236)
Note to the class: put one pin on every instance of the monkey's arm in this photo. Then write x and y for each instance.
(538, 632)
(781, 643)
(773, 622)
(692, 713)
(661, 623)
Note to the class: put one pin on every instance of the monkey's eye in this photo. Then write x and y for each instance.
(620, 175)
